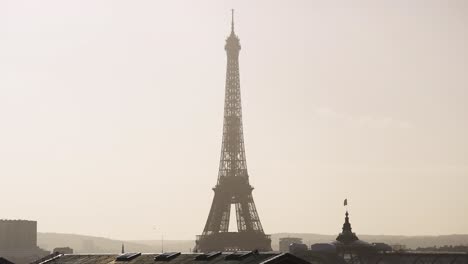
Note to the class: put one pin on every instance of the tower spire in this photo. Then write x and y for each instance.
(232, 20)
(347, 235)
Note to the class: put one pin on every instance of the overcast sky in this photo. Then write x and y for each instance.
(111, 114)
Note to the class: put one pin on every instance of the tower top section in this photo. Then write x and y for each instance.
(232, 42)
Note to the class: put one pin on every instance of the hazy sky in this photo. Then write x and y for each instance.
(111, 114)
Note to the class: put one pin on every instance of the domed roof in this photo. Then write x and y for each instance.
(347, 236)
(348, 239)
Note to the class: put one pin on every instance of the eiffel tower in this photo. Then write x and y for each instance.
(233, 186)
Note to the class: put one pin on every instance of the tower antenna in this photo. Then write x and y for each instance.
(232, 20)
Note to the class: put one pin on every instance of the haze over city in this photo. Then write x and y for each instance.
(111, 114)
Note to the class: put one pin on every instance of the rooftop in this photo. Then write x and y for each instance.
(185, 258)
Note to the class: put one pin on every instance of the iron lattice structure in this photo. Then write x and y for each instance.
(233, 187)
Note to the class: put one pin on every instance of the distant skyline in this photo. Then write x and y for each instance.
(111, 114)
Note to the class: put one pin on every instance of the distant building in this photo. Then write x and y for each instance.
(349, 249)
(382, 247)
(18, 241)
(285, 242)
(63, 250)
(297, 248)
(399, 247)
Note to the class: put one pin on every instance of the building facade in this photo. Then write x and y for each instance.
(285, 242)
(18, 241)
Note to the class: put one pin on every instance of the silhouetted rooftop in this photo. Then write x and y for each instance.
(5, 261)
(190, 258)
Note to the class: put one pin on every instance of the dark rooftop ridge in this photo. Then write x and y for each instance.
(239, 255)
(208, 256)
(127, 256)
(166, 256)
